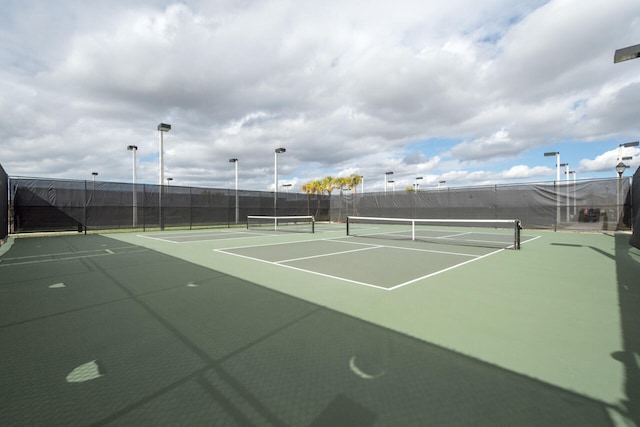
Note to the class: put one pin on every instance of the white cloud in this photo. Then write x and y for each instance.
(343, 87)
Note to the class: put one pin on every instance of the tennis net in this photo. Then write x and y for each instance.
(297, 223)
(501, 233)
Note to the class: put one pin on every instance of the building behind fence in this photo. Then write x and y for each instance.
(48, 205)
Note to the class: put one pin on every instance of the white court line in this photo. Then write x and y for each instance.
(68, 253)
(106, 253)
(324, 255)
(338, 239)
(369, 246)
(303, 270)
(271, 244)
(443, 270)
(253, 235)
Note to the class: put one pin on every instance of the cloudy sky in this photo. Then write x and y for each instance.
(462, 91)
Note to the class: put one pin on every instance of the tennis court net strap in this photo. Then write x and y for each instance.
(478, 232)
(296, 223)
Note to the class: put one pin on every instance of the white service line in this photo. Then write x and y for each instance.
(329, 254)
(303, 270)
(443, 270)
(106, 253)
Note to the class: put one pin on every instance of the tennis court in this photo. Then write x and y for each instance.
(266, 327)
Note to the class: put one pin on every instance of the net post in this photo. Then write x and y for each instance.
(347, 225)
(413, 230)
(248, 221)
(313, 225)
(518, 227)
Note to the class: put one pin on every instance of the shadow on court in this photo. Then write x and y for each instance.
(628, 272)
(97, 331)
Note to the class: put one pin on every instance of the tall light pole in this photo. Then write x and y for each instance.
(169, 181)
(440, 183)
(386, 176)
(393, 185)
(620, 167)
(417, 186)
(626, 144)
(237, 204)
(133, 149)
(94, 174)
(286, 187)
(162, 128)
(557, 183)
(574, 190)
(275, 187)
(566, 185)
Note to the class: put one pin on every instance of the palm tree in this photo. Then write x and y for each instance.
(318, 189)
(309, 190)
(329, 184)
(353, 182)
(340, 183)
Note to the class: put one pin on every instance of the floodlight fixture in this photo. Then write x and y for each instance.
(626, 53)
(630, 144)
(280, 150)
(163, 127)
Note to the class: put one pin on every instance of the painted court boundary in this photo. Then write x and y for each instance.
(281, 263)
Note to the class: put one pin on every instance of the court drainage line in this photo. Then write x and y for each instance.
(444, 270)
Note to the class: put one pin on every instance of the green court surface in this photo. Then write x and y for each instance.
(241, 327)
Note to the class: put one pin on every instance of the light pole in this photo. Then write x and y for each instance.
(440, 183)
(286, 187)
(133, 149)
(162, 128)
(417, 186)
(557, 182)
(620, 167)
(574, 191)
(566, 185)
(393, 185)
(626, 144)
(237, 204)
(169, 181)
(386, 176)
(94, 174)
(275, 187)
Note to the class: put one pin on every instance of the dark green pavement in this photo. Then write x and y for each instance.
(186, 335)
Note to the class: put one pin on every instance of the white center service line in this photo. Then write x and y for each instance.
(329, 254)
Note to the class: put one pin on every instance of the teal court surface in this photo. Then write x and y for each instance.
(243, 327)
